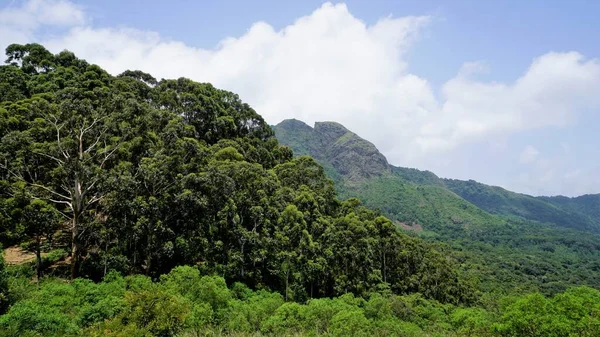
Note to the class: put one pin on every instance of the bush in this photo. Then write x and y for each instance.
(27, 318)
(350, 323)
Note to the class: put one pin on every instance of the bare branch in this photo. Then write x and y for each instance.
(96, 142)
(51, 191)
(51, 157)
(109, 155)
(56, 201)
(18, 176)
(61, 202)
(58, 128)
(95, 199)
(87, 189)
(85, 129)
(66, 189)
(91, 125)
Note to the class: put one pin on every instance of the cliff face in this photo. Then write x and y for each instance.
(354, 158)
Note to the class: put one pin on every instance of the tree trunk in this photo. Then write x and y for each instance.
(77, 207)
(38, 257)
(384, 269)
(106, 257)
(286, 286)
(75, 248)
(242, 253)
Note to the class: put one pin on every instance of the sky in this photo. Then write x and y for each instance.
(503, 92)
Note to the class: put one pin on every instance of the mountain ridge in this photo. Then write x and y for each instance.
(351, 167)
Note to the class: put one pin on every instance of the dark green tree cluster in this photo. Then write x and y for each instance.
(136, 175)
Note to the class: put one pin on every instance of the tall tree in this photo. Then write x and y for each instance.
(40, 220)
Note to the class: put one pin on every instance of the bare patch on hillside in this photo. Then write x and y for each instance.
(414, 227)
(17, 255)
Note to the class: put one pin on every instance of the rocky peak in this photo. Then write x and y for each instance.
(354, 158)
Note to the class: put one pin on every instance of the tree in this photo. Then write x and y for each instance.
(40, 219)
(63, 158)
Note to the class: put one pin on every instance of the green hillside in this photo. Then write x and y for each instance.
(588, 204)
(514, 240)
(328, 143)
(561, 211)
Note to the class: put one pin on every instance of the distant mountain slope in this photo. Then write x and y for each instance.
(352, 161)
(344, 155)
(360, 170)
(588, 204)
(510, 241)
(557, 210)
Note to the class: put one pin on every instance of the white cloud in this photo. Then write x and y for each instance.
(529, 155)
(329, 65)
(551, 91)
(18, 24)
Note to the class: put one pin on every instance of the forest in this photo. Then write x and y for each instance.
(168, 208)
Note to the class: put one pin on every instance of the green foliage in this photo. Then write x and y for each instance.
(574, 312)
(183, 188)
(491, 231)
(156, 311)
(177, 306)
(4, 295)
(350, 323)
(136, 175)
(28, 318)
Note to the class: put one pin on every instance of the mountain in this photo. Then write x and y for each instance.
(510, 239)
(353, 161)
(579, 213)
(344, 155)
(588, 204)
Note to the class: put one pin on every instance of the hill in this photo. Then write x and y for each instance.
(515, 239)
(354, 160)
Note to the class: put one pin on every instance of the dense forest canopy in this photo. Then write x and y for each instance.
(136, 175)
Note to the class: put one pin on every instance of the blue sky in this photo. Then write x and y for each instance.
(507, 34)
(503, 92)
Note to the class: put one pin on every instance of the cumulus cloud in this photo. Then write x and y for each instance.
(19, 23)
(551, 91)
(330, 65)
